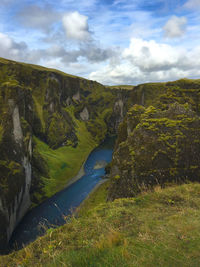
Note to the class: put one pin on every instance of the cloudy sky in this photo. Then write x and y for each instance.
(110, 41)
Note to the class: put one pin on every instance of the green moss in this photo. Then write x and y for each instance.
(160, 149)
(39, 110)
(57, 130)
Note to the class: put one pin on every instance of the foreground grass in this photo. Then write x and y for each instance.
(154, 229)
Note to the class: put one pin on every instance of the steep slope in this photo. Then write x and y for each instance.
(49, 122)
(154, 229)
(158, 141)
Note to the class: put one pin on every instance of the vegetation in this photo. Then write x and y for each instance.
(42, 130)
(50, 103)
(158, 142)
(126, 87)
(36, 67)
(65, 162)
(98, 196)
(154, 229)
(1, 132)
(152, 221)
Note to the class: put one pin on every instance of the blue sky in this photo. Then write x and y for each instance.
(110, 41)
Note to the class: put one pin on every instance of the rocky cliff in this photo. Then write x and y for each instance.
(159, 139)
(49, 122)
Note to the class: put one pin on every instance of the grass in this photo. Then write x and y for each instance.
(155, 229)
(95, 198)
(65, 162)
(38, 67)
(39, 109)
(126, 87)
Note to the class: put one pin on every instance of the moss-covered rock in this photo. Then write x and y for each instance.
(158, 144)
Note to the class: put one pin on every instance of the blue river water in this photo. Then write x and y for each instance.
(52, 212)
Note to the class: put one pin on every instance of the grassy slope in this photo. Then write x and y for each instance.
(126, 87)
(154, 229)
(95, 198)
(65, 162)
(38, 67)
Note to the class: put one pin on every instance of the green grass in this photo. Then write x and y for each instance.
(38, 67)
(39, 109)
(98, 196)
(155, 229)
(126, 87)
(65, 162)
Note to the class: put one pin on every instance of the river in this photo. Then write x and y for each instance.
(52, 212)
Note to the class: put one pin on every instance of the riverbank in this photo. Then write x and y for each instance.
(97, 196)
(98, 165)
(78, 176)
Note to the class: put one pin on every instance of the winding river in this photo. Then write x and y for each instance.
(52, 212)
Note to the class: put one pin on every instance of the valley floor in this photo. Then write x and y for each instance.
(160, 228)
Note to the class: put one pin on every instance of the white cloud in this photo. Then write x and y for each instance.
(151, 56)
(175, 27)
(10, 49)
(76, 26)
(146, 61)
(192, 4)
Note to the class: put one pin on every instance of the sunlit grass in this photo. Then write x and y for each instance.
(154, 229)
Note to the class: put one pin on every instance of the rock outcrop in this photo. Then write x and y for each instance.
(158, 144)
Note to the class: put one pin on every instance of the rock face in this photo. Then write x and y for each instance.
(159, 144)
(37, 104)
(15, 164)
(84, 114)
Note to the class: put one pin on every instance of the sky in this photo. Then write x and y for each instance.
(109, 41)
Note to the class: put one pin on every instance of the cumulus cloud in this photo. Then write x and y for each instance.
(76, 26)
(146, 61)
(11, 49)
(192, 4)
(152, 56)
(34, 16)
(175, 27)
